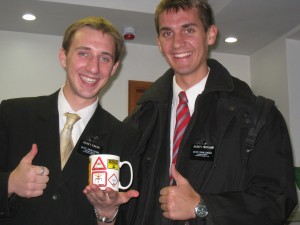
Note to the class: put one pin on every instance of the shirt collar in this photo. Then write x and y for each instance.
(192, 92)
(84, 113)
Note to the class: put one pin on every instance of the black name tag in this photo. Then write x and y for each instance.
(88, 148)
(202, 152)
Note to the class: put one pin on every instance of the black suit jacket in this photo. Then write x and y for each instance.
(26, 121)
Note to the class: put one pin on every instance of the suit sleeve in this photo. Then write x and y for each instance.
(7, 205)
(268, 194)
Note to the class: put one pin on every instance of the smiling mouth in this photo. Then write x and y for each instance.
(88, 79)
(182, 55)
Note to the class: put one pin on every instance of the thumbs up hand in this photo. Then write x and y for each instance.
(28, 180)
(178, 202)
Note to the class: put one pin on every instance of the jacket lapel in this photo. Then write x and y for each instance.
(47, 133)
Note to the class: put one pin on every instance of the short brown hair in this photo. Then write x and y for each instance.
(97, 23)
(204, 10)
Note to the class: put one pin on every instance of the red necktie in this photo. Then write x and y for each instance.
(182, 120)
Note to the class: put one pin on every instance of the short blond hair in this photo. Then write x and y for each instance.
(97, 23)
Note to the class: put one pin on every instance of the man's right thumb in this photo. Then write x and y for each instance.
(31, 154)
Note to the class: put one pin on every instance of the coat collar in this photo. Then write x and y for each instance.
(219, 79)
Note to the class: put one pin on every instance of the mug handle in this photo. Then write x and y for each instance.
(131, 175)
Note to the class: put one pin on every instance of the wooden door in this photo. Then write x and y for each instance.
(135, 90)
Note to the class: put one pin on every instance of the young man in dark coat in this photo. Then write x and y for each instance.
(217, 179)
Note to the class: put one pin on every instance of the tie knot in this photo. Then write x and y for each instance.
(71, 118)
(182, 97)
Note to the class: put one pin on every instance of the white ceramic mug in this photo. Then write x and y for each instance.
(104, 171)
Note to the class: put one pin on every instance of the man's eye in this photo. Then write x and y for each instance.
(189, 30)
(167, 34)
(83, 54)
(104, 59)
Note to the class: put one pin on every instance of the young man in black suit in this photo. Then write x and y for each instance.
(35, 188)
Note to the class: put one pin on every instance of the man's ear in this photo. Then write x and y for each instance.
(158, 44)
(115, 67)
(212, 34)
(62, 58)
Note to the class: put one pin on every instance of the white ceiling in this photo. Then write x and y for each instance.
(255, 22)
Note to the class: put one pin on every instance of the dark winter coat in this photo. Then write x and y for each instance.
(238, 188)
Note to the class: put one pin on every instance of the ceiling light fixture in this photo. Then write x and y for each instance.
(29, 17)
(231, 40)
(129, 33)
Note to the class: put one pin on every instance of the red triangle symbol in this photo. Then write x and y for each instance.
(99, 165)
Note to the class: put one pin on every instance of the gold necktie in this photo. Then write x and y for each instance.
(66, 143)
